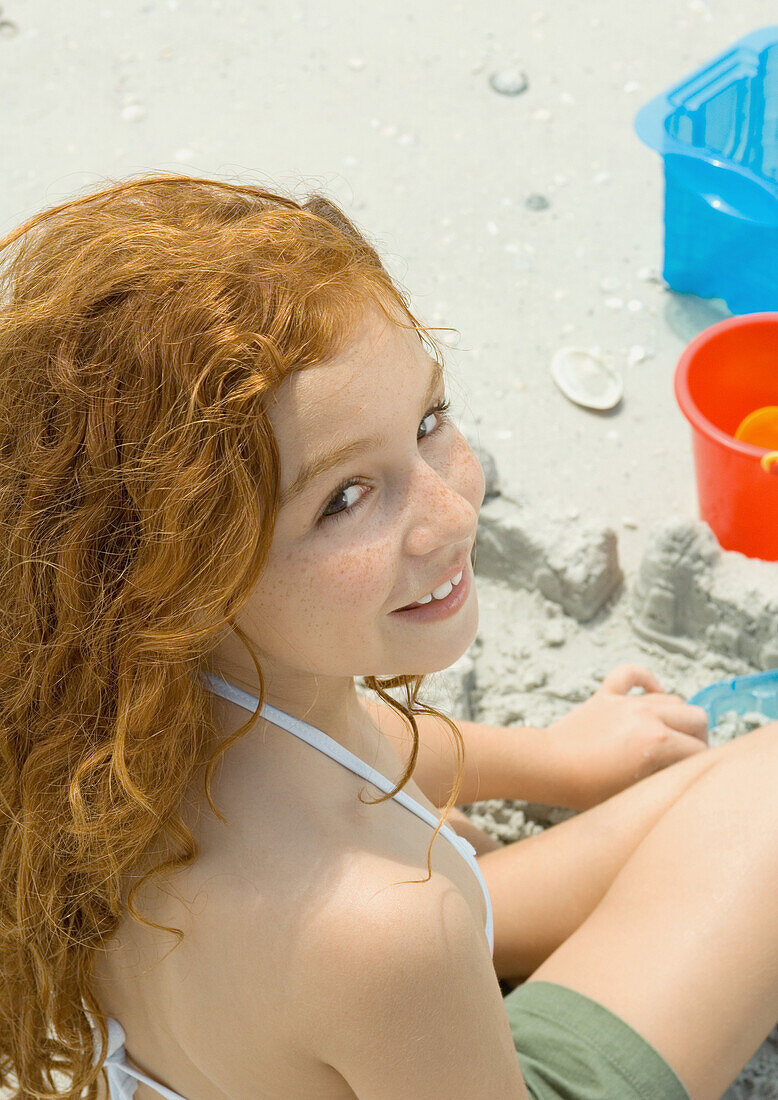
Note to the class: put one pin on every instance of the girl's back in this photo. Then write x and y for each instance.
(221, 1015)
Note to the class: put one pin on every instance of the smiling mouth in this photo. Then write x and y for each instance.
(437, 610)
(450, 585)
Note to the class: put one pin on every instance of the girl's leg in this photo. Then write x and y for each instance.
(684, 944)
(544, 887)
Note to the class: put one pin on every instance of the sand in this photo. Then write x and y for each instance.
(488, 151)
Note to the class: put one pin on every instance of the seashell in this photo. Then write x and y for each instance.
(509, 81)
(586, 379)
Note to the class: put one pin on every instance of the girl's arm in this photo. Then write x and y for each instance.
(598, 749)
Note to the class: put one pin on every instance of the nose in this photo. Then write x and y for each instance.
(441, 514)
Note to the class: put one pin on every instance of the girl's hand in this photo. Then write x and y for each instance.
(613, 739)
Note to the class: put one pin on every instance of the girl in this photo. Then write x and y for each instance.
(230, 486)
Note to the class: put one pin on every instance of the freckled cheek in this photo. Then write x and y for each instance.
(358, 577)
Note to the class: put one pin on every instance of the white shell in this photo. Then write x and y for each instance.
(586, 379)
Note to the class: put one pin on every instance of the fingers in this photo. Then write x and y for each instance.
(684, 718)
(625, 676)
(676, 749)
(663, 697)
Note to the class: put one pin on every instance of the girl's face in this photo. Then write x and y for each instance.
(368, 533)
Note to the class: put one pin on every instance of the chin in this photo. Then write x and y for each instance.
(444, 657)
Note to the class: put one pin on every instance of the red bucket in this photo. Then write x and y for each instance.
(725, 373)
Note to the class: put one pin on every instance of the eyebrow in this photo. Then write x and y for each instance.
(328, 457)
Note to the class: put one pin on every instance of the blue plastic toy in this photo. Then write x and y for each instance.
(758, 691)
(717, 132)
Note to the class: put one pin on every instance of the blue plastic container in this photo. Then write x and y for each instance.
(758, 691)
(717, 132)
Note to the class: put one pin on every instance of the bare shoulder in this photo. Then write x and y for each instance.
(400, 995)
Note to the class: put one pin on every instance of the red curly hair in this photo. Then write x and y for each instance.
(144, 328)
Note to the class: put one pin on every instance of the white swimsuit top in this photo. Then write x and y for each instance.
(123, 1077)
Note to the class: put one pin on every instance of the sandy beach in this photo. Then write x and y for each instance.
(488, 152)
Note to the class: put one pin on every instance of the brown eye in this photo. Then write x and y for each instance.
(441, 408)
(338, 492)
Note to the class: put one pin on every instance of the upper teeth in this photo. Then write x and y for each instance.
(442, 590)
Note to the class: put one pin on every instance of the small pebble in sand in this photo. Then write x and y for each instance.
(8, 29)
(649, 275)
(636, 354)
(536, 202)
(614, 303)
(554, 633)
(133, 112)
(509, 81)
(632, 86)
(634, 305)
(521, 264)
(631, 523)
(531, 677)
(356, 63)
(602, 177)
(542, 114)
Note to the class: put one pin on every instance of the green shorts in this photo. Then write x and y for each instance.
(573, 1048)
